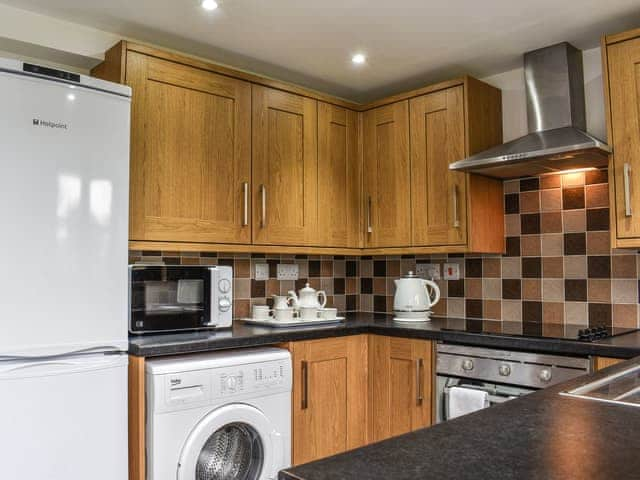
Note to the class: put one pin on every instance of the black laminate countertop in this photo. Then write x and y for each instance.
(539, 436)
(245, 335)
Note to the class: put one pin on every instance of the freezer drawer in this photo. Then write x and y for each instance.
(64, 418)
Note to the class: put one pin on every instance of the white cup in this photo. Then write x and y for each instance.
(308, 313)
(328, 313)
(261, 312)
(283, 314)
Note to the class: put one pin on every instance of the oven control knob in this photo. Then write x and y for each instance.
(224, 304)
(224, 285)
(545, 375)
(504, 370)
(467, 365)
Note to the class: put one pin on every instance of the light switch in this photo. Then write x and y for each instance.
(262, 271)
(430, 271)
(451, 271)
(288, 271)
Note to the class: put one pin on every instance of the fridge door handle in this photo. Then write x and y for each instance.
(60, 366)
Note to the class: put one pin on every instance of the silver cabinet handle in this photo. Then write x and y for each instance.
(419, 381)
(245, 212)
(456, 218)
(263, 217)
(627, 191)
(369, 226)
(305, 385)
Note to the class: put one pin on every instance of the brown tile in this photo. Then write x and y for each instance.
(531, 267)
(492, 288)
(379, 286)
(553, 312)
(572, 198)
(272, 287)
(511, 203)
(575, 313)
(393, 268)
(600, 315)
(511, 267)
(512, 246)
(599, 290)
(532, 312)
(326, 268)
(550, 181)
(530, 245)
(575, 244)
(551, 200)
(189, 261)
(512, 310)
(625, 315)
(598, 243)
(351, 286)
(440, 308)
(511, 289)
(575, 266)
(473, 288)
(622, 266)
(552, 329)
(597, 195)
(512, 225)
(574, 179)
(530, 223)
(455, 288)
(473, 308)
(599, 266)
(529, 202)
(598, 219)
(553, 290)
(624, 291)
(242, 267)
(527, 184)
(241, 308)
(492, 309)
(241, 288)
(531, 289)
(574, 221)
(551, 245)
(258, 288)
(491, 267)
(552, 267)
(575, 290)
(473, 267)
(596, 176)
(551, 222)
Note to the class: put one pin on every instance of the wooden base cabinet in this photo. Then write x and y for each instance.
(400, 386)
(329, 396)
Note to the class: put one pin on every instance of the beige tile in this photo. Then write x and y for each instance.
(241, 288)
(625, 315)
(530, 245)
(492, 288)
(530, 201)
(552, 267)
(241, 308)
(624, 291)
(440, 308)
(531, 289)
(599, 290)
(492, 309)
(326, 284)
(553, 290)
(597, 195)
(380, 286)
(286, 286)
(551, 200)
(512, 225)
(366, 268)
(455, 307)
(340, 302)
(511, 267)
(553, 312)
(512, 310)
(598, 243)
(303, 269)
(575, 266)
(551, 222)
(339, 269)
(575, 313)
(623, 266)
(511, 186)
(551, 245)
(574, 179)
(491, 267)
(574, 221)
(473, 288)
(366, 303)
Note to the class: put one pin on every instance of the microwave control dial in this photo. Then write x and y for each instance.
(224, 285)
(467, 365)
(224, 304)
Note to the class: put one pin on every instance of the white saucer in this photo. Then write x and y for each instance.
(294, 322)
(415, 319)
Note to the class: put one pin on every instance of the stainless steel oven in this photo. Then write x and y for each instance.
(169, 298)
(502, 374)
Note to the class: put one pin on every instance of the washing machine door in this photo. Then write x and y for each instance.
(234, 442)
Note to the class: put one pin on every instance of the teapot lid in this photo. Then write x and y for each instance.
(307, 288)
(410, 274)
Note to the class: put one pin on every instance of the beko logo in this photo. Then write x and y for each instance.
(175, 382)
(37, 122)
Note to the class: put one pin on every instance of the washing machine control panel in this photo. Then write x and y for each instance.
(251, 378)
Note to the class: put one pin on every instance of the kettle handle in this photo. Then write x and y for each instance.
(322, 294)
(435, 288)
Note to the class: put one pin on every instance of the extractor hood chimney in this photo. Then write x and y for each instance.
(557, 138)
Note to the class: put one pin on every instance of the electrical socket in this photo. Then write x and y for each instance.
(451, 271)
(287, 271)
(430, 271)
(262, 271)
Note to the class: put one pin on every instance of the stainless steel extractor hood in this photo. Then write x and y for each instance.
(557, 138)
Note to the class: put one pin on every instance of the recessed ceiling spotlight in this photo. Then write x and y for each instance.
(359, 58)
(209, 4)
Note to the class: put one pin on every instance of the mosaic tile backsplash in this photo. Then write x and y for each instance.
(558, 266)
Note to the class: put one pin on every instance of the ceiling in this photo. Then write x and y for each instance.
(409, 43)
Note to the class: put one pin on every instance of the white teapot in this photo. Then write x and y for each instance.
(414, 298)
(308, 297)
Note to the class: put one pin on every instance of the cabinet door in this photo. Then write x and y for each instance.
(190, 153)
(329, 396)
(338, 177)
(438, 195)
(386, 176)
(285, 168)
(400, 386)
(624, 97)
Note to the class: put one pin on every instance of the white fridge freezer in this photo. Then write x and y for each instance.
(64, 188)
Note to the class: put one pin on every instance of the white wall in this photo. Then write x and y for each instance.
(514, 106)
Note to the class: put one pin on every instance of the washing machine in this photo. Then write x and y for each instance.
(219, 416)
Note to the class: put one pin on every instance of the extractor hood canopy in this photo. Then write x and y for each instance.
(557, 138)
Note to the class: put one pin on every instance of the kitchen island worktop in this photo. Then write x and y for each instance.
(439, 328)
(540, 436)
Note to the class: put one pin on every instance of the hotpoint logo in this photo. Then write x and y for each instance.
(37, 122)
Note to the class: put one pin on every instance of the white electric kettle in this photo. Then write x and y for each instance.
(414, 298)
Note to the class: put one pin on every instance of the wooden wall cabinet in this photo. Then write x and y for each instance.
(621, 68)
(387, 176)
(329, 396)
(400, 386)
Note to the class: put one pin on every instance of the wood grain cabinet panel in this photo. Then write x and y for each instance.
(600, 363)
(387, 181)
(285, 168)
(438, 195)
(339, 177)
(400, 386)
(329, 396)
(622, 89)
(190, 153)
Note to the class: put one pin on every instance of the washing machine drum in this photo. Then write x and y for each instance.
(235, 442)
